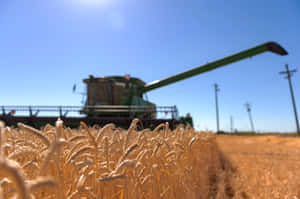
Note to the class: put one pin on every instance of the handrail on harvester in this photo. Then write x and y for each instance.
(269, 46)
(64, 110)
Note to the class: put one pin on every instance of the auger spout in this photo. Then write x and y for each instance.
(269, 46)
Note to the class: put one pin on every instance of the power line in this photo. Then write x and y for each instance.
(217, 106)
(289, 74)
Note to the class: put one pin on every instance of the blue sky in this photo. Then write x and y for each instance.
(47, 46)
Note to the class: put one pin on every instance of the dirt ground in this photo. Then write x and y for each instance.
(263, 166)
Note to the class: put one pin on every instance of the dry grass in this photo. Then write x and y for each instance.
(109, 162)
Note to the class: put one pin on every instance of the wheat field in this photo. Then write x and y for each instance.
(265, 166)
(109, 162)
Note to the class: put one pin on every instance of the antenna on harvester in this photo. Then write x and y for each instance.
(83, 94)
(248, 108)
(289, 74)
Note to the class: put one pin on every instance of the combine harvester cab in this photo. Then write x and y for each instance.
(119, 99)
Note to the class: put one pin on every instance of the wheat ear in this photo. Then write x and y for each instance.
(192, 141)
(92, 138)
(35, 132)
(131, 128)
(59, 128)
(42, 182)
(128, 151)
(107, 127)
(76, 138)
(12, 170)
(81, 151)
(110, 178)
(125, 163)
(158, 127)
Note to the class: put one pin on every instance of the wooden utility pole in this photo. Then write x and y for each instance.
(231, 124)
(289, 74)
(217, 106)
(248, 107)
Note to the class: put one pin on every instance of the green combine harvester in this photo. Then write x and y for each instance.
(119, 99)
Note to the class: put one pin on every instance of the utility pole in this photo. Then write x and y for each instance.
(231, 124)
(248, 107)
(217, 106)
(289, 74)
